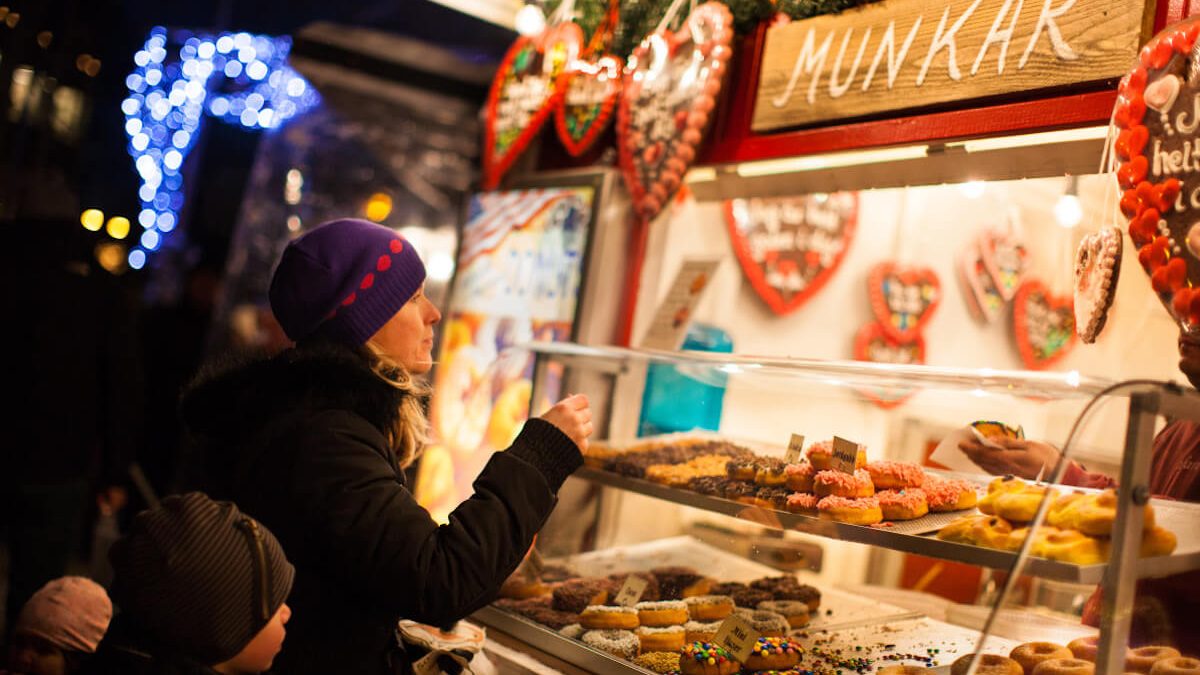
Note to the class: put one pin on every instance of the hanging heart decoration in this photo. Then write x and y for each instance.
(1097, 270)
(1044, 325)
(903, 298)
(671, 88)
(1158, 149)
(1005, 258)
(589, 102)
(790, 247)
(527, 87)
(983, 298)
(874, 343)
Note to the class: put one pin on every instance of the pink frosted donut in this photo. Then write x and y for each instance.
(839, 484)
(949, 495)
(802, 502)
(799, 477)
(895, 475)
(902, 504)
(863, 511)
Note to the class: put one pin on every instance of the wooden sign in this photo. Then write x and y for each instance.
(901, 54)
(845, 455)
(795, 445)
(737, 637)
(631, 591)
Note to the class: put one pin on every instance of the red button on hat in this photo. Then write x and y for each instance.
(367, 281)
(396, 245)
(384, 263)
(349, 300)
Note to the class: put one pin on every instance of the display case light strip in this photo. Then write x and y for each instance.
(1026, 140)
(830, 161)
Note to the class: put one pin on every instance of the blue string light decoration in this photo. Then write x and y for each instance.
(238, 78)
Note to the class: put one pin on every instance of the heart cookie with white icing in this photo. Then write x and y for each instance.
(1097, 269)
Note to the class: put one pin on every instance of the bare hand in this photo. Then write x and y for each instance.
(573, 417)
(112, 499)
(1020, 457)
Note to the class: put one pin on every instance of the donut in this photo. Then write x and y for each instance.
(676, 583)
(662, 663)
(766, 624)
(1064, 667)
(558, 573)
(773, 653)
(662, 613)
(618, 580)
(660, 638)
(800, 593)
(904, 504)
(540, 610)
(838, 484)
(709, 607)
(701, 631)
(772, 498)
(577, 595)
(1096, 513)
(794, 611)
(770, 472)
(518, 588)
(802, 502)
(1176, 665)
(863, 511)
(820, 455)
(799, 477)
(742, 492)
(706, 658)
(903, 670)
(622, 643)
(999, 486)
(895, 475)
(750, 597)
(573, 631)
(1142, 659)
(741, 468)
(989, 664)
(948, 495)
(1030, 654)
(1022, 506)
(602, 617)
(708, 485)
(1085, 647)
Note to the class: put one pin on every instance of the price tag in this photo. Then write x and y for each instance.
(427, 665)
(794, 447)
(631, 591)
(845, 455)
(532, 566)
(737, 636)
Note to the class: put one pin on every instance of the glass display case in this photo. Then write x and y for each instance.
(741, 511)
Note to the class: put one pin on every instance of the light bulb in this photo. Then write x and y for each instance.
(530, 20)
(1068, 211)
(973, 189)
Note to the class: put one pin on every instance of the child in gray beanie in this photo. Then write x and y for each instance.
(200, 588)
(59, 628)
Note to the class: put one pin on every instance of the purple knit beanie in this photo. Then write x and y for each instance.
(346, 277)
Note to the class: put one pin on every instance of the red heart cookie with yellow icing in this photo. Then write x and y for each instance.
(903, 298)
(588, 103)
(1097, 270)
(1044, 325)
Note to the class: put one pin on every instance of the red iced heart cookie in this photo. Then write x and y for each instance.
(1044, 325)
(527, 87)
(1005, 258)
(790, 246)
(1097, 270)
(588, 103)
(903, 299)
(983, 298)
(670, 91)
(874, 343)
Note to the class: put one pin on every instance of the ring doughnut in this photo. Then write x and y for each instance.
(741, 468)
(820, 455)
(895, 475)
(989, 664)
(949, 495)
(766, 624)
(700, 631)
(795, 611)
(903, 670)
(579, 594)
(799, 477)
(573, 631)
(838, 484)
(863, 511)
(1085, 647)
(1064, 667)
(771, 472)
(607, 617)
(662, 663)
(706, 658)
(1142, 659)
(1176, 665)
(1030, 654)
(904, 504)
(677, 583)
(773, 653)
(660, 638)
(802, 502)
(622, 643)
(709, 607)
(662, 613)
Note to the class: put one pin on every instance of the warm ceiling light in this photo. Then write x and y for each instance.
(118, 227)
(92, 219)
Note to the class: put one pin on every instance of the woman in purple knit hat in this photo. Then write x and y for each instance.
(313, 443)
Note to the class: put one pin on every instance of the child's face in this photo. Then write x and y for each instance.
(257, 656)
(32, 655)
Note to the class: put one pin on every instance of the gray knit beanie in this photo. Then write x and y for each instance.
(199, 576)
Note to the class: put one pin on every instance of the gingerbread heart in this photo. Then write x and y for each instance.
(527, 87)
(1005, 258)
(1044, 325)
(903, 298)
(874, 343)
(1097, 270)
(983, 298)
(671, 88)
(1159, 101)
(588, 103)
(790, 246)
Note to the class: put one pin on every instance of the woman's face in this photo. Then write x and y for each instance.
(407, 337)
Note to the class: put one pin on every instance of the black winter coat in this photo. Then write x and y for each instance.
(297, 441)
(127, 650)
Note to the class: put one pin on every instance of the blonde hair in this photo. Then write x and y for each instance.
(410, 433)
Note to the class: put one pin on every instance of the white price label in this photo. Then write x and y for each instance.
(737, 636)
(631, 591)
(845, 455)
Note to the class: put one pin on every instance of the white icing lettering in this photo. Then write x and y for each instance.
(894, 61)
(1002, 36)
(947, 39)
(837, 90)
(811, 61)
(1046, 22)
(1176, 159)
(1185, 126)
